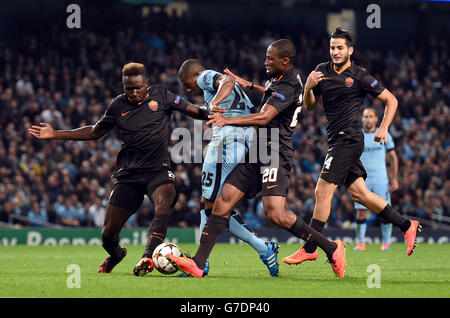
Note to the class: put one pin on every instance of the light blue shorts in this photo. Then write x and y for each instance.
(222, 156)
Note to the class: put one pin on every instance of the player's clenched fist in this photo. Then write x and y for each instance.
(313, 79)
(381, 135)
(44, 131)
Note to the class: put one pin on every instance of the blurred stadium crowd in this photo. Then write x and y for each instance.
(67, 78)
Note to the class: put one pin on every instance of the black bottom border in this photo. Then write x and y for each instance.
(215, 307)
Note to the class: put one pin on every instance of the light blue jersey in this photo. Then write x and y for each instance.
(228, 144)
(374, 161)
(374, 157)
(227, 148)
(237, 104)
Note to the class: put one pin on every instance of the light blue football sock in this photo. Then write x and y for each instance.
(238, 228)
(203, 219)
(386, 232)
(361, 232)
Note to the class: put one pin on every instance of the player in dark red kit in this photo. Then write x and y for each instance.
(141, 116)
(343, 85)
(281, 105)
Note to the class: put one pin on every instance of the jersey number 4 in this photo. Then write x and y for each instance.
(327, 163)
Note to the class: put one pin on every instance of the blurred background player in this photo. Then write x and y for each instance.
(227, 148)
(141, 116)
(281, 105)
(342, 85)
(374, 161)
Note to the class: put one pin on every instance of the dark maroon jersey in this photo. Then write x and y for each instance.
(342, 96)
(144, 129)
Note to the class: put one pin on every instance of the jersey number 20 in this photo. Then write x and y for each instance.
(269, 174)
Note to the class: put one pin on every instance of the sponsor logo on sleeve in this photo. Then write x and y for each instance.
(177, 99)
(279, 95)
(374, 83)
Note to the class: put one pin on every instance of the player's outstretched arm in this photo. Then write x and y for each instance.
(201, 113)
(309, 99)
(46, 131)
(389, 112)
(244, 83)
(268, 112)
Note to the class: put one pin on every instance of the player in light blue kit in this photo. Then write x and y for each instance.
(229, 146)
(374, 161)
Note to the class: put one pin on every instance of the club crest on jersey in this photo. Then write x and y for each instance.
(153, 105)
(171, 175)
(279, 95)
(348, 81)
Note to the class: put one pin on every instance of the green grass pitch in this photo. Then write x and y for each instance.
(236, 272)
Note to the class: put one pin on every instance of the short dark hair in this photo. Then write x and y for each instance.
(134, 69)
(285, 48)
(190, 67)
(372, 109)
(342, 34)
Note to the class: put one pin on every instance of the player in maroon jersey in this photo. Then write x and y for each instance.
(142, 116)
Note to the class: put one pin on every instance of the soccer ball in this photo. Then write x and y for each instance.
(159, 257)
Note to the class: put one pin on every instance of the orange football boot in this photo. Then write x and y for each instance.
(385, 247)
(186, 265)
(144, 266)
(338, 259)
(360, 247)
(109, 263)
(300, 256)
(411, 235)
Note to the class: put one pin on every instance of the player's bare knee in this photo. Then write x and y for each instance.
(272, 217)
(322, 194)
(107, 233)
(222, 206)
(358, 196)
(277, 217)
(165, 200)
